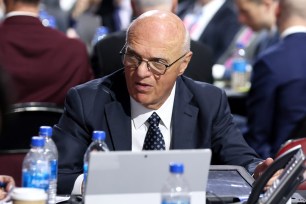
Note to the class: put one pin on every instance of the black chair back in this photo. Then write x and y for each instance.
(23, 121)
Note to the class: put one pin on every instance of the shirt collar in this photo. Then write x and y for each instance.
(21, 13)
(292, 30)
(140, 114)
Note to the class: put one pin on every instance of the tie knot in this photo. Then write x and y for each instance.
(154, 119)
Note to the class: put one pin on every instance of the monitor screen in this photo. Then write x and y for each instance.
(229, 182)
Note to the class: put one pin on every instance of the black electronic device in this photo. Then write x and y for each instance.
(228, 183)
(292, 163)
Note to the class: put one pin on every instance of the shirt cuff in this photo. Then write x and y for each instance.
(77, 187)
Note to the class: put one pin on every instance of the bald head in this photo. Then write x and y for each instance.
(291, 13)
(294, 7)
(156, 27)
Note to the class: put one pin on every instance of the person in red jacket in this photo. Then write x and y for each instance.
(41, 61)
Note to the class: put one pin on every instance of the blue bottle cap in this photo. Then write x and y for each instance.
(102, 30)
(45, 131)
(98, 135)
(38, 141)
(240, 45)
(177, 168)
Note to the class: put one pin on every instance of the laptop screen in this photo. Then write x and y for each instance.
(137, 177)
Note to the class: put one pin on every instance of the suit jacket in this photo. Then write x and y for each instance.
(106, 58)
(201, 119)
(42, 62)
(276, 101)
(221, 29)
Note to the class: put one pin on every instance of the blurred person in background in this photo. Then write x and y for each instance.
(212, 22)
(42, 62)
(276, 102)
(259, 15)
(259, 31)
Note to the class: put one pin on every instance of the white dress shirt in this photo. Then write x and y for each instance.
(292, 30)
(139, 125)
(21, 13)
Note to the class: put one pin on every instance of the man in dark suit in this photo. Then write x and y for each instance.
(106, 59)
(279, 83)
(259, 15)
(41, 62)
(193, 115)
(212, 22)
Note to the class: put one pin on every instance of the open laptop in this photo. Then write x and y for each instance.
(137, 177)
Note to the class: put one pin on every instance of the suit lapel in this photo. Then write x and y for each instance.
(119, 126)
(118, 114)
(184, 118)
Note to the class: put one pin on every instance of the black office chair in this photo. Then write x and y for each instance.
(23, 121)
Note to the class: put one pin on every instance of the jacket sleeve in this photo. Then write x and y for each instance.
(228, 143)
(72, 139)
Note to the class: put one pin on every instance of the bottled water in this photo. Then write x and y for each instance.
(100, 33)
(50, 151)
(239, 76)
(175, 190)
(47, 19)
(35, 166)
(97, 144)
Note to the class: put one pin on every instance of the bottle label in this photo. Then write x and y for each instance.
(85, 171)
(35, 179)
(53, 166)
(239, 66)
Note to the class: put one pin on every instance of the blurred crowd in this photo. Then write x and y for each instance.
(90, 34)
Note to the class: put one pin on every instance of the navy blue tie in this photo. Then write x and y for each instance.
(154, 139)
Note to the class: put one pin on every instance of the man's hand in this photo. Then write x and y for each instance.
(260, 170)
(7, 183)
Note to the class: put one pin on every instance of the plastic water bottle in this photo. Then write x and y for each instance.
(175, 190)
(239, 69)
(97, 144)
(100, 33)
(52, 155)
(35, 166)
(47, 19)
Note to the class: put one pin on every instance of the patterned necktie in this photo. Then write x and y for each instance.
(154, 139)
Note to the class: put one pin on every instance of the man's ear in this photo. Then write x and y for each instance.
(185, 63)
